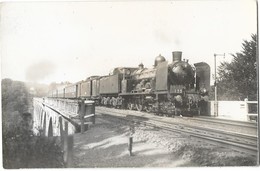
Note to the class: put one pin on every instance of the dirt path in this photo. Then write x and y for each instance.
(106, 145)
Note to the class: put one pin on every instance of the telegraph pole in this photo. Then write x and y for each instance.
(215, 84)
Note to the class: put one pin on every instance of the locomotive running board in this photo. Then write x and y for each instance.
(132, 94)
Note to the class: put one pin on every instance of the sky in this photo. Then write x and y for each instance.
(48, 42)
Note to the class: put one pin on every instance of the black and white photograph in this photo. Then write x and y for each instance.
(129, 84)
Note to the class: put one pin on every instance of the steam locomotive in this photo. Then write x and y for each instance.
(171, 88)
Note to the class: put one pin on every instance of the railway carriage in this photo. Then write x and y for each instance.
(60, 93)
(90, 88)
(71, 91)
(52, 93)
(95, 88)
(85, 89)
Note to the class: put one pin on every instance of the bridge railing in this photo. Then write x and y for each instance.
(70, 106)
(83, 110)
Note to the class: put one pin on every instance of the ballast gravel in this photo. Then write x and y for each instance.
(105, 145)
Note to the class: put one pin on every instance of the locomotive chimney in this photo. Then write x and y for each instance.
(176, 56)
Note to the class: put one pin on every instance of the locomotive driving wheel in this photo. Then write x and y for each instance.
(148, 108)
(130, 106)
(139, 107)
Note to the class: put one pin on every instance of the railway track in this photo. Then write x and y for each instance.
(236, 141)
(225, 122)
(218, 124)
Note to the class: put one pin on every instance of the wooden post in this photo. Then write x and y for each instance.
(94, 117)
(130, 145)
(130, 140)
(82, 113)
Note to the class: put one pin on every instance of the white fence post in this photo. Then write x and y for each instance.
(249, 113)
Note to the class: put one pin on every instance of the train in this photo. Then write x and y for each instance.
(169, 87)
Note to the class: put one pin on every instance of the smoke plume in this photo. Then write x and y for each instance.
(39, 71)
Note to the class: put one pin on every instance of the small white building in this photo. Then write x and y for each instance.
(236, 110)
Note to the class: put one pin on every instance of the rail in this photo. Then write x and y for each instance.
(222, 121)
(236, 141)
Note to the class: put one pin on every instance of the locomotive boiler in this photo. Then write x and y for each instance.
(170, 87)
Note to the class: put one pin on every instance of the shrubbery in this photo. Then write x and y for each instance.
(21, 149)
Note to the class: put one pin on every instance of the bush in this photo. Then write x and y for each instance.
(21, 149)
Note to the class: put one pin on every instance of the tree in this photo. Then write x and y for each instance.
(21, 149)
(238, 79)
(14, 96)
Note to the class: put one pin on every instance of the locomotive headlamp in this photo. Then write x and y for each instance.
(185, 65)
(178, 98)
(203, 91)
